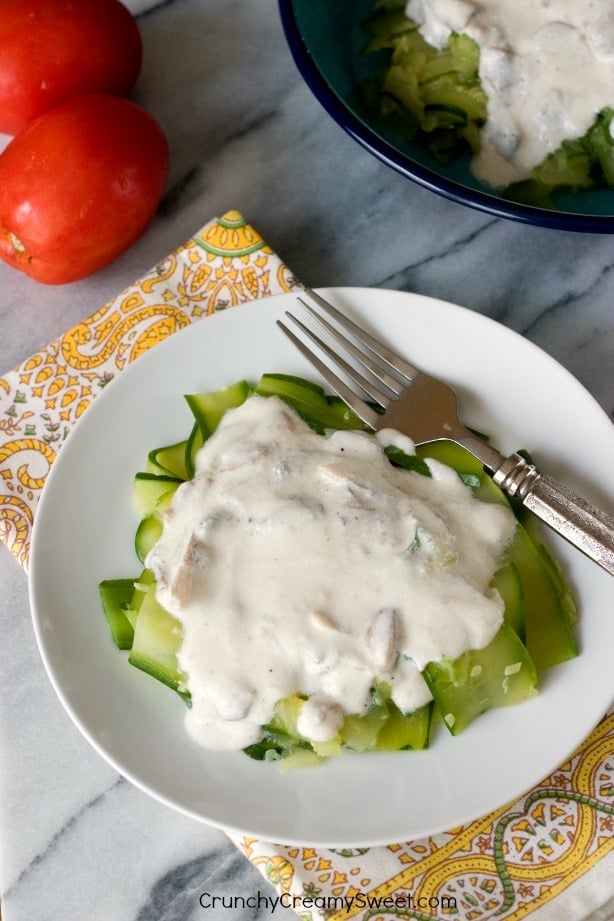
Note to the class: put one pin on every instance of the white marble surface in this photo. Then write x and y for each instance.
(78, 843)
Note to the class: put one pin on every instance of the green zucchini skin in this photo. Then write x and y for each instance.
(208, 408)
(539, 617)
(116, 597)
(149, 488)
(500, 674)
(310, 401)
(157, 638)
(169, 460)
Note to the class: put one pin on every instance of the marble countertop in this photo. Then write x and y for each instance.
(78, 842)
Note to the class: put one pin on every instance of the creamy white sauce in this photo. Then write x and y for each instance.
(298, 563)
(547, 67)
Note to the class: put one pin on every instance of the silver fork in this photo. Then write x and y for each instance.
(426, 409)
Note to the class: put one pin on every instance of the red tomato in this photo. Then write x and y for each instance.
(78, 186)
(51, 50)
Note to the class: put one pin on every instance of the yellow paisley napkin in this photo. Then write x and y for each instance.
(551, 853)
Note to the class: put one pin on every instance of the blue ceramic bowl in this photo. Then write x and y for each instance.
(326, 39)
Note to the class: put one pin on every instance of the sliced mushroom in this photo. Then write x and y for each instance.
(382, 638)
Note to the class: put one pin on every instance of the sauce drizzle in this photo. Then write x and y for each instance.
(302, 563)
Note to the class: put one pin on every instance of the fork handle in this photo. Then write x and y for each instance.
(571, 516)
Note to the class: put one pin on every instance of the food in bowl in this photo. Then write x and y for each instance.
(524, 87)
(309, 586)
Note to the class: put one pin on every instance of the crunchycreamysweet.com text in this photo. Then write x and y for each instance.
(328, 904)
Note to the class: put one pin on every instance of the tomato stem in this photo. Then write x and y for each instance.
(15, 242)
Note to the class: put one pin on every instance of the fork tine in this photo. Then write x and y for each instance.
(358, 406)
(392, 385)
(355, 376)
(394, 362)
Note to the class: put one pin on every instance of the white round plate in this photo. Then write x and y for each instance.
(84, 533)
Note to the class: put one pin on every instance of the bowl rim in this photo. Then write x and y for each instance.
(421, 175)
